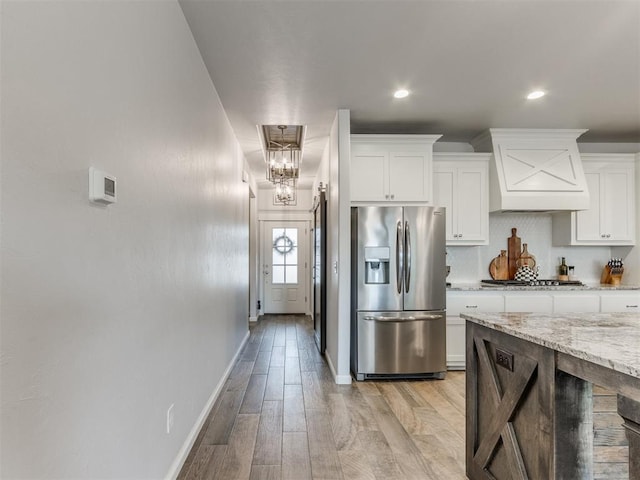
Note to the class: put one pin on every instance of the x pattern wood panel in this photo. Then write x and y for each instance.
(504, 402)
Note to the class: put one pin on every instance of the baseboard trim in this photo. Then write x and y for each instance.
(177, 464)
(253, 319)
(339, 379)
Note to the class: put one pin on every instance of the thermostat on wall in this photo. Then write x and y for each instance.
(102, 187)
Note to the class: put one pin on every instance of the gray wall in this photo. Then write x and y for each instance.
(111, 314)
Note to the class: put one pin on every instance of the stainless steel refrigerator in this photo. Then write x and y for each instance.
(398, 292)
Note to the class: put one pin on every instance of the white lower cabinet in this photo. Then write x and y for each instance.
(571, 301)
(620, 302)
(456, 348)
(460, 302)
(528, 302)
(576, 303)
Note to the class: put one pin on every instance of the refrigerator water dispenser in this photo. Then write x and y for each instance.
(376, 261)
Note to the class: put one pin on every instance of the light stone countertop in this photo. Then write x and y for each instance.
(611, 340)
(470, 287)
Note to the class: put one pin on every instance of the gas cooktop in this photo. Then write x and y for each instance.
(531, 283)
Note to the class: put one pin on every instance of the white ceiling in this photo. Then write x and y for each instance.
(468, 64)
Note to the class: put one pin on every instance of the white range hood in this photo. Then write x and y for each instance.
(534, 170)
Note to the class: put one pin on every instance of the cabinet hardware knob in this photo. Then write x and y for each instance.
(632, 306)
(603, 235)
(392, 196)
(387, 197)
(471, 306)
(608, 235)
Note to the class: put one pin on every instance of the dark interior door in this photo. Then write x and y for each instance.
(319, 273)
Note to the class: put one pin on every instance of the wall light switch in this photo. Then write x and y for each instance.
(102, 187)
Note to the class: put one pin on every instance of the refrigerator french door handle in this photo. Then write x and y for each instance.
(407, 249)
(399, 257)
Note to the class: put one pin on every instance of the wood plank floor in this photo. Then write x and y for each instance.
(281, 416)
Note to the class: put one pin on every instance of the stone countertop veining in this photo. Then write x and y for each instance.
(611, 340)
(470, 287)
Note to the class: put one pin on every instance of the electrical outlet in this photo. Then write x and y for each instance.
(504, 359)
(170, 418)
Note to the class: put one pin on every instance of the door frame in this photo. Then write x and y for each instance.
(254, 257)
(304, 257)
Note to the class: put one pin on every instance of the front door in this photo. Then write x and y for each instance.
(285, 267)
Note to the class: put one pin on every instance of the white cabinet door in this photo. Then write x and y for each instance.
(456, 344)
(611, 217)
(528, 303)
(444, 179)
(462, 302)
(620, 303)
(461, 185)
(369, 176)
(568, 303)
(617, 205)
(588, 221)
(474, 303)
(473, 204)
(409, 177)
(608, 218)
(392, 168)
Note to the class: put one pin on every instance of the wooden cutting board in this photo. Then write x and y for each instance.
(499, 267)
(514, 249)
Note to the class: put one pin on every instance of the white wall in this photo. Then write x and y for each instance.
(334, 173)
(111, 314)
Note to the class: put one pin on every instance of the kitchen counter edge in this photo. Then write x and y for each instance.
(606, 339)
(537, 288)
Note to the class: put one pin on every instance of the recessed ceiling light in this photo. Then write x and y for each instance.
(401, 93)
(536, 94)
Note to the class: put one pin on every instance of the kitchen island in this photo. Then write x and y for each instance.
(529, 391)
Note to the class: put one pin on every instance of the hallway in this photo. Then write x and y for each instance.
(282, 416)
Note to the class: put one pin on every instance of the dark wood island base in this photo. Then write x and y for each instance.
(529, 402)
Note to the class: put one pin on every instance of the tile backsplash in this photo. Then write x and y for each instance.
(471, 264)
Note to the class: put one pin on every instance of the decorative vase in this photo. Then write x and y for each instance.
(526, 273)
(526, 259)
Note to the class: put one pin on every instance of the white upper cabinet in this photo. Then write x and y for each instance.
(392, 168)
(369, 175)
(611, 217)
(460, 184)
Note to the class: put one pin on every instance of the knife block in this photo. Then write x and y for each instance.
(611, 276)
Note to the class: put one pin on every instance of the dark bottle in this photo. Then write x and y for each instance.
(563, 271)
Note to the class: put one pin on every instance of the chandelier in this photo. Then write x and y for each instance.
(283, 159)
(285, 192)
